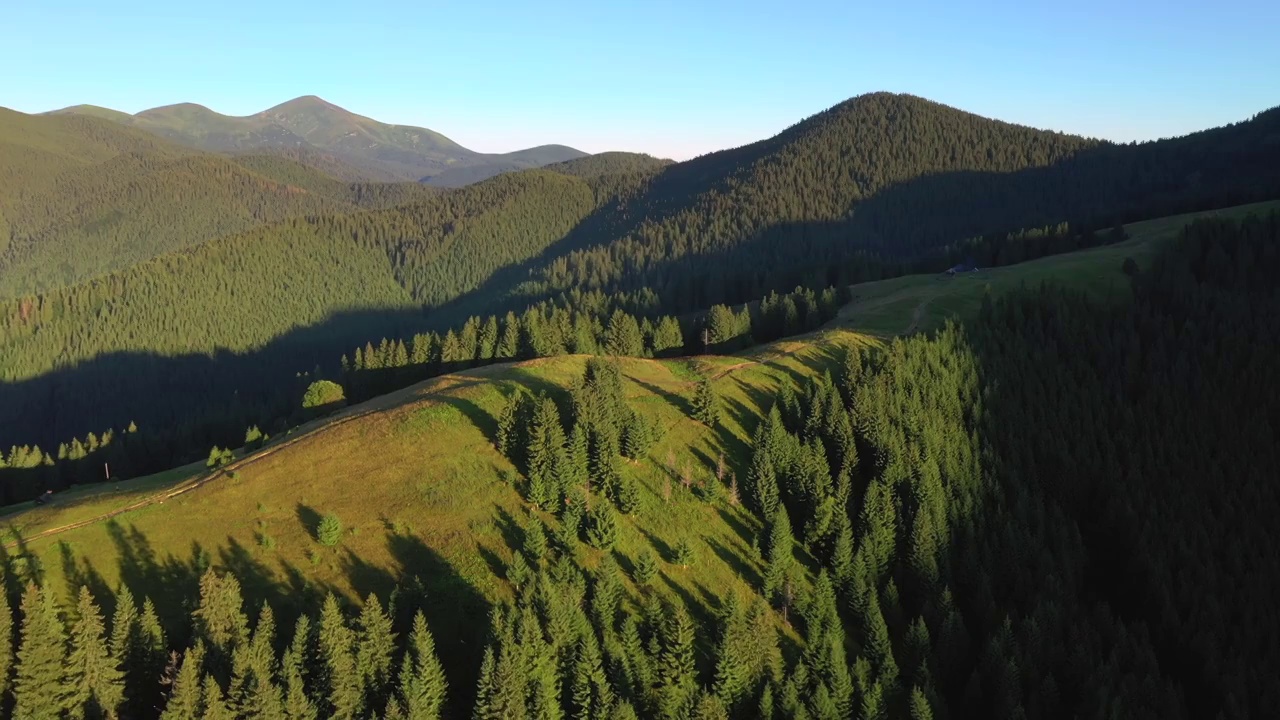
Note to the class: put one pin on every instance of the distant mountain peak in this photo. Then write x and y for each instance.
(186, 107)
(305, 104)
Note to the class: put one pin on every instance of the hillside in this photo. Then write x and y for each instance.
(337, 141)
(965, 523)
(652, 240)
(81, 197)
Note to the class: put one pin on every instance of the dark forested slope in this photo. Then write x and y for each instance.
(1061, 510)
(871, 187)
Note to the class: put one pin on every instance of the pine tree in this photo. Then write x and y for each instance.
(919, 708)
(646, 567)
(422, 685)
(683, 553)
(220, 620)
(535, 540)
(214, 701)
(38, 690)
(93, 677)
(253, 692)
(706, 408)
(375, 643)
(676, 671)
(342, 682)
(779, 552)
(602, 528)
(185, 697)
(623, 336)
(295, 670)
(762, 481)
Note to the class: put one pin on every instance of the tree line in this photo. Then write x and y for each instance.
(972, 523)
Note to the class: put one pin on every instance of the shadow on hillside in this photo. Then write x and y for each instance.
(79, 572)
(193, 400)
(675, 400)
(420, 580)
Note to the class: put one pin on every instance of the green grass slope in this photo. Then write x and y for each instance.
(418, 470)
(923, 302)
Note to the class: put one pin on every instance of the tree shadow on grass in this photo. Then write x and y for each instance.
(736, 561)
(677, 401)
(310, 519)
(79, 572)
(740, 528)
(665, 552)
(484, 422)
(456, 612)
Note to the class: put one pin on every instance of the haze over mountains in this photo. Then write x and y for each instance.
(349, 146)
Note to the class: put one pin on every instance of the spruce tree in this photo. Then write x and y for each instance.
(778, 552)
(93, 677)
(148, 663)
(706, 408)
(602, 527)
(918, 707)
(296, 671)
(422, 684)
(342, 683)
(676, 671)
(220, 620)
(185, 694)
(762, 481)
(375, 643)
(683, 553)
(213, 701)
(646, 567)
(535, 540)
(253, 691)
(38, 688)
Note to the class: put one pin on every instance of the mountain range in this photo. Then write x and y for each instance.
(342, 143)
(131, 262)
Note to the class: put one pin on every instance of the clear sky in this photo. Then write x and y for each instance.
(672, 78)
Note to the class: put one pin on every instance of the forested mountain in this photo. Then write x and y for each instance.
(1061, 509)
(81, 196)
(610, 163)
(872, 187)
(501, 163)
(353, 147)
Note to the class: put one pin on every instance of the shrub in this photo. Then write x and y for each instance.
(329, 531)
(219, 457)
(323, 394)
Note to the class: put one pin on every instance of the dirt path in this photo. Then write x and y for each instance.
(919, 313)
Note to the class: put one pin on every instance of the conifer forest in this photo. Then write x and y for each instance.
(291, 429)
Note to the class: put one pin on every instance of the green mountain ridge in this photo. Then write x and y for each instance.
(309, 124)
(875, 187)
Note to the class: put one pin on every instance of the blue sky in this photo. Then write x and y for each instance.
(675, 79)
